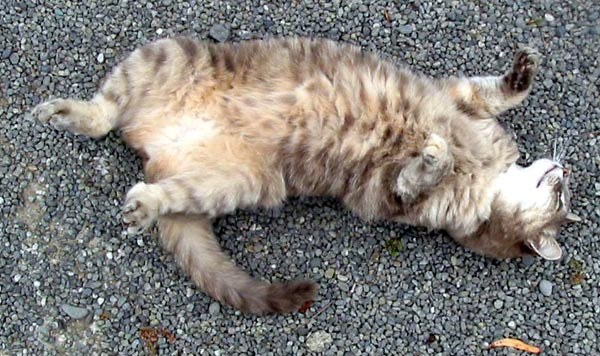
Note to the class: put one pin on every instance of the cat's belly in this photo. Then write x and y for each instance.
(180, 135)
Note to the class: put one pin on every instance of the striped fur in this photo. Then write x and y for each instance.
(224, 126)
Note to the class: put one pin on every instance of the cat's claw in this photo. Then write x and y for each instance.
(140, 209)
(527, 58)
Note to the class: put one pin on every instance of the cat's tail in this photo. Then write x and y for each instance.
(192, 242)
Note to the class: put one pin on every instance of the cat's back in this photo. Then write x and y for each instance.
(182, 62)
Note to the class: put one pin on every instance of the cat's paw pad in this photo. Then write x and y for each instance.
(435, 150)
(140, 209)
(525, 66)
(55, 112)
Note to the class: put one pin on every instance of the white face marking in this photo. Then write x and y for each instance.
(527, 187)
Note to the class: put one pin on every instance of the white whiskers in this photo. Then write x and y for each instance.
(560, 149)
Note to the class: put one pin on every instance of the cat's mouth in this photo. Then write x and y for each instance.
(550, 170)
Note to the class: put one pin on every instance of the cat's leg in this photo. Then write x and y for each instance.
(209, 184)
(425, 170)
(94, 118)
(91, 118)
(148, 72)
(484, 97)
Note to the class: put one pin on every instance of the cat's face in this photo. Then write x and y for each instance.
(531, 205)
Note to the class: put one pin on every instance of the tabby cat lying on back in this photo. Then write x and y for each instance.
(227, 126)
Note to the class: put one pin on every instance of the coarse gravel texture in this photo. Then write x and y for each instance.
(62, 247)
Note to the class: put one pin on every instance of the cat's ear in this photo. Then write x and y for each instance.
(546, 246)
(571, 217)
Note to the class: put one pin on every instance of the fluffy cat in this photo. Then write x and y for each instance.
(227, 126)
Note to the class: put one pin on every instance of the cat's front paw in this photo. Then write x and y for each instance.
(525, 66)
(140, 209)
(435, 153)
(56, 112)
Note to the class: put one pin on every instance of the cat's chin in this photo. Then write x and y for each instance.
(533, 174)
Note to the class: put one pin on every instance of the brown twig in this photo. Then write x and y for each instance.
(593, 133)
(321, 311)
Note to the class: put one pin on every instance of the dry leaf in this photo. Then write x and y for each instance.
(515, 344)
(168, 335)
(149, 334)
(150, 337)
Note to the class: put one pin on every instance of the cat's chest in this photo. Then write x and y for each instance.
(481, 145)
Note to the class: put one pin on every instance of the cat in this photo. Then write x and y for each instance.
(237, 125)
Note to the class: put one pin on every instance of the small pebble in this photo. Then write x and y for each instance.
(219, 33)
(527, 260)
(329, 273)
(317, 341)
(214, 309)
(546, 287)
(406, 29)
(302, 330)
(73, 311)
(14, 58)
(6, 53)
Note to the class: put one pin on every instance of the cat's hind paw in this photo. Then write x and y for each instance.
(140, 209)
(525, 66)
(56, 112)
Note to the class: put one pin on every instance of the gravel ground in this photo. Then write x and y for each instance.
(72, 284)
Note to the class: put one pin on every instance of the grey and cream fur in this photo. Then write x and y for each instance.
(227, 126)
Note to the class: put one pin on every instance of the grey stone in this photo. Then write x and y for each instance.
(14, 58)
(6, 52)
(73, 311)
(318, 341)
(214, 309)
(329, 273)
(546, 287)
(527, 260)
(219, 33)
(302, 330)
(406, 29)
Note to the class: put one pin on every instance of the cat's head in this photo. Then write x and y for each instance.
(530, 205)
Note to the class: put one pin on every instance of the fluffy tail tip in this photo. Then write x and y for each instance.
(290, 296)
